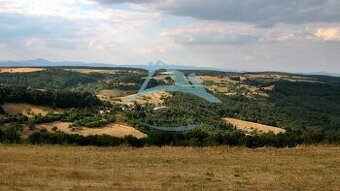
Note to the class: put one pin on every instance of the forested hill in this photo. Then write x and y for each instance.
(284, 100)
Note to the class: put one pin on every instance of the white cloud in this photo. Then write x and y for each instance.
(328, 34)
(61, 25)
(232, 33)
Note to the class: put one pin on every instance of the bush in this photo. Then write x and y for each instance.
(10, 134)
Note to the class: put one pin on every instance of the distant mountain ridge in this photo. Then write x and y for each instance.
(39, 62)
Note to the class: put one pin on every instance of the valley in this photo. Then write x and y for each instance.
(88, 102)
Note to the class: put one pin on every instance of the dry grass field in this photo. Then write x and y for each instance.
(115, 130)
(88, 71)
(155, 98)
(20, 70)
(107, 94)
(27, 109)
(249, 127)
(26, 167)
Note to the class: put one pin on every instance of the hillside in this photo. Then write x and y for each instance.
(305, 107)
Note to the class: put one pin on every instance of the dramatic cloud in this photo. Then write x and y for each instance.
(287, 35)
(259, 12)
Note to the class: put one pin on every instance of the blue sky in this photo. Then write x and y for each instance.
(253, 35)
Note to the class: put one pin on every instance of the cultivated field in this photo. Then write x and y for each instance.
(20, 70)
(250, 127)
(155, 98)
(88, 71)
(168, 168)
(28, 109)
(107, 94)
(115, 130)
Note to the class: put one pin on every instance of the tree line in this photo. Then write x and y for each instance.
(192, 138)
(52, 98)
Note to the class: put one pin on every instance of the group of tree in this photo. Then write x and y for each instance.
(191, 138)
(49, 97)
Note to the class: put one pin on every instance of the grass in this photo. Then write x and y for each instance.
(27, 167)
(115, 130)
(250, 127)
(108, 93)
(28, 109)
(89, 71)
(20, 70)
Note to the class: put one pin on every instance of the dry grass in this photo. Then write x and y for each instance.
(217, 79)
(20, 70)
(28, 109)
(250, 127)
(25, 167)
(88, 71)
(107, 94)
(282, 77)
(115, 130)
(223, 84)
(155, 98)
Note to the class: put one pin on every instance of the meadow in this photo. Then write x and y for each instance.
(29, 167)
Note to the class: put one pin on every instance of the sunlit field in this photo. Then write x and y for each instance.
(26, 167)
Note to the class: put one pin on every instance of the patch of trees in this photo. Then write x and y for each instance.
(80, 117)
(2, 110)
(89, 117)
(52, 98)
(10, 133)
(51, 78)
(191, 138)
(179, 112)
(94, 140)
(201, 138)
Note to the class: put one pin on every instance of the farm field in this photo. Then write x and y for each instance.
(28, 109)
(249, 127)
(27, 167)
(115, 130)
(20, 70)
(89, 71)
(155, 98)
(107, 94)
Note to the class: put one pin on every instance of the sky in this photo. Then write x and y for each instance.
(247, 35)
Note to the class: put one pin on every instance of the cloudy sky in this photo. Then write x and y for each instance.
(253, 35)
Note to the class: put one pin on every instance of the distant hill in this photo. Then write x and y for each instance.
(39, 62)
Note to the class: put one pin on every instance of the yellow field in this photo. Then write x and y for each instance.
(217, 79)
(283, 77)
(115, 130)
(249, 127)
(27, 109)
(88, 71)
(155, 98)
(108, 93)
(168, 168)
(20, 70)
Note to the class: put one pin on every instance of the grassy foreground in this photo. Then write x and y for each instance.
(27, 167)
